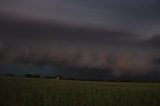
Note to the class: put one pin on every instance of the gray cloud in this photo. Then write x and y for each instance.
(30, 29)
(133, 15)
(120, 63)
(28, 33)
(75, 34)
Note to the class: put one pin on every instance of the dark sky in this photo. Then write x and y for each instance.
(106, 37)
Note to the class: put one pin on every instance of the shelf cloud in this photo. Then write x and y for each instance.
(120, 37)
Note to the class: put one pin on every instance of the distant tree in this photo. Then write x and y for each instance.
(35, 76)
(9, 74)
(48, 77)
(32, 75)
(28, 75)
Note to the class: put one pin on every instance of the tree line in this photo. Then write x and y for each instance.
(59, 77)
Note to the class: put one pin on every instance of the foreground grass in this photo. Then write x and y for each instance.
(43, 92)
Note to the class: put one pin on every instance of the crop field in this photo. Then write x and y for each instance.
(48, 92)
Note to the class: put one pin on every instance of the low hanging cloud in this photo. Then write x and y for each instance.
(120, 63)
(133, 64)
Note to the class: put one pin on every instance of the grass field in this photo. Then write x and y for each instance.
(45, 92)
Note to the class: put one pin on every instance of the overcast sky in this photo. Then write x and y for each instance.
(87, 27)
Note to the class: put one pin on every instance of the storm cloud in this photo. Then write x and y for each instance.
(120, 37)
(121, 62)
(132, 15)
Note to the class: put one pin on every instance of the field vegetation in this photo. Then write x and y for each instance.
(16, 91)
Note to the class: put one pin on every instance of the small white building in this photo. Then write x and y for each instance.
(57, 78)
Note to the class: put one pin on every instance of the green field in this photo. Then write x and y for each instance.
(45, 92)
